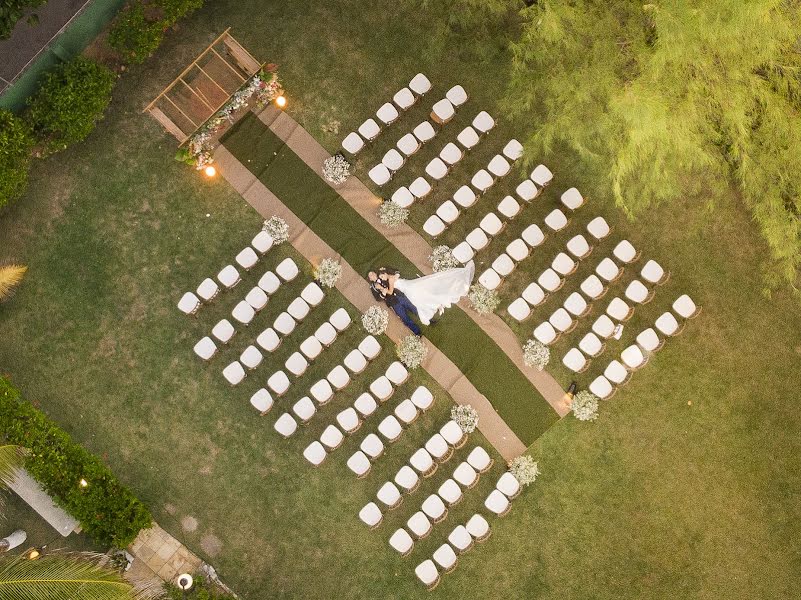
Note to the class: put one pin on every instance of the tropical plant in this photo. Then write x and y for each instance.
(16, 143)
(536, 354)
(442, 259)
(466, 417)
(12, 11)
(375, 320)
(328, 272)
(277, 228)
(585, 406)
(525, 469)
(392, 214)
(70, 100)
(412, 351)
(483, 300)
(10, 278)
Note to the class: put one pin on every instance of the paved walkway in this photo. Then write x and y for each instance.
(416, 249)
(163, 554)
(352, 286)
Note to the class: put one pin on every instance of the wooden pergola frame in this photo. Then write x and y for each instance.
(203, 87)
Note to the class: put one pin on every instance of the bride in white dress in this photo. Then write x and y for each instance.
(432, 294)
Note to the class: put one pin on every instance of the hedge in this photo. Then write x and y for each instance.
(12, 11)
(106, 509)
(16, 143)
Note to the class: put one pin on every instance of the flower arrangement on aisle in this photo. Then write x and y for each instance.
(277, 228)
(484, 301)
(336, 169)
(412, 351)
(536, 354)
(442, 259)
(375, 320)
(525, 469)
(392, 214)
(466, 417)
(585, 406)
(328, 272)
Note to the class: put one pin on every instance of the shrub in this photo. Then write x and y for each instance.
(136, 35)
(525, 469)
(70, 100)
(107, 510)
(11, 11)
(175, 9)
(16, 143)
(585, 406)
(412, 351)
(201, 590)
(375, 320)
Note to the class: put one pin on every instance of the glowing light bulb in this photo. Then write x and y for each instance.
(83, 483)
(280, 101)
(210, 171)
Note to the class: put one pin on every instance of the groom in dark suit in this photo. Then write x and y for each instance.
(383, 291)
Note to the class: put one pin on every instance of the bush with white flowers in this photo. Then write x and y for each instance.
(277, 228)
(328, 272)
(442, 259)
(536, 354)
(585, 406)
(392, 214)
(484, 301)
(412, 351)
(336, 169)
(466, 417)
(525, 469)
(375, 320)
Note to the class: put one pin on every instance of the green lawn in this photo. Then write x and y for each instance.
(658, 499)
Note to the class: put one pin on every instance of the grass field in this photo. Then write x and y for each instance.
(686, 487)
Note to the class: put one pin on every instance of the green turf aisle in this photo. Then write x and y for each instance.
(342, 228)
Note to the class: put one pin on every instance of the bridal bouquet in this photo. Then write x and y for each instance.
(484, 301)
(336, 169)
(442, 259)
(375, 320)
(328, 272)
(466, 417)
(536, 354)
(585, 406)
(392, 214)
(412, 351)
(277, 228)
(525, 469)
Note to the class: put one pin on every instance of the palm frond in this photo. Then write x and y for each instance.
(10, 460)
(10, 276)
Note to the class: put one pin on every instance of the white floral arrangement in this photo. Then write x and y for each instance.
(525, 469)
(466, 417)
(328, 272)
(277, 228)
(484, 301)
(392, 214)
(336, 169)
(442, 259)
(536, 354)
(375, 320)
(585, 406)
(412, 351)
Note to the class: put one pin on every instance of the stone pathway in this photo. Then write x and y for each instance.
(163, 554)
(352, 286)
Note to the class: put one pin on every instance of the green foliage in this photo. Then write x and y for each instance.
(176, 9)
(16, 143)
(201, 590)
(669, 99)
(11, 11)
(136, 36)
(70, 100)
(107, 510)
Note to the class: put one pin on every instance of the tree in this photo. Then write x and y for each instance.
(673, 97)
(10, 277)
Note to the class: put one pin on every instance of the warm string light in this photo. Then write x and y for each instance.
(83, 483)
(210, 171)
(280, 102)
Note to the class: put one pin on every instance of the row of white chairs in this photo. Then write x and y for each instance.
(463, 537)
(404, 99)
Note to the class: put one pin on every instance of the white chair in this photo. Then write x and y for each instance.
(477, 239)
(296, 364)
(268, 340)
(234, 373)
(464, 196)
(387, 114)
(371, 515)
(604, 327)
(517, 250)
(381, 388)
(563, 264)
(355, 361)
(312, 294)
(601, 387)
(284, 324)
(403, 197)
(448, 212)
(257, 298)
(393, 160)
(338, 377)
(262, 401)
(332, 437)
(456, 95)
(533, 235)
(649, 341)
(545, 333)
(619, 310)
(572, 199)
(365, 404)
(513, 150)
(556, 220)
(407, 479)
(315, 453)
(422, 398)
(420, 188)
(369, 130)
(625, 252)
(251, 357)
(633, 357)
(434, 508)
(278, 383)
(541, 175)
(519, 310)
(667, 324)
(397, 373)
(453, 434)
(637, 292)
(424, 132)
(287, 270)
(616, 373)
(498, 166)
(420, 84)
(549, 280)
(460, 539)
(442, 111)
(438, 448)
(247, 258)
(503, 265)
(526, 190)
(340, 319)
(576, 305)
(451, 154)
(575, 360)
(497, 503)
(402, 542)
(483, 122)
(419, 525)
(591, 344)
(561, 320)
(304, 409)
(326, 334)
(359, 464)
(298, 309)
(404, 99)
(533, 294)
(370, 347)
(479, 459)
(685, 307)
(321, 391)
(372, 446)
(286, 425)
(598, 228)
(445, 557)
(379, 175)
(423, 462)
(434, 226)
(578, 247)
(465, 475)
(189, 303)
(463, 253)
(468, 138)
(223, 331)
(482, 181)
(205, 348)
(228, 276)
(652, 272)
(509, 207)
(491, 224)
(592, 287)
(406, 412)
(390, 428)
(311, 347)
(508, 485)
(269, 283)
(608, 270)
(478, 528)
(408, 144)
(353, 143)
(490, 279)
(262, 242)
(208, 289)
(243, 312)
